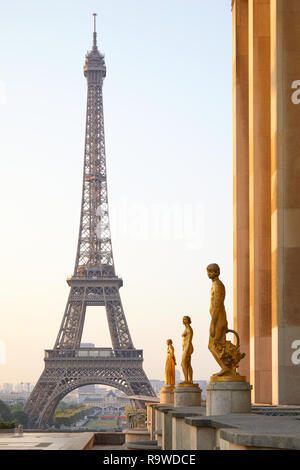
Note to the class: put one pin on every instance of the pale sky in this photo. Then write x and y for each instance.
(168, 128)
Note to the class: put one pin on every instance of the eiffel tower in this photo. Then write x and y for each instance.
(94, 282)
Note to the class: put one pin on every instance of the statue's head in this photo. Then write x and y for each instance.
(169, 342)
(213, 271)
(186, 320)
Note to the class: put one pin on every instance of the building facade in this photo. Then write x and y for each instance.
(266, 118)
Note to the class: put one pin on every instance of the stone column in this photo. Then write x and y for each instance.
(285, 169)
(241, 178)
(166, 429)
(266, 48)
(260, 201)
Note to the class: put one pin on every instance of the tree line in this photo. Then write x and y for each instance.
(12, 414)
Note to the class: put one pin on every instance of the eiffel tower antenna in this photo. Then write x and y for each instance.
(95, 32)
(93, 283)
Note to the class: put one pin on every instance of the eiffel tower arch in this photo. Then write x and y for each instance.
(67, 370)
(94, 282)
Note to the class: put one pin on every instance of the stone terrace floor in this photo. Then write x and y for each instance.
(45, 441)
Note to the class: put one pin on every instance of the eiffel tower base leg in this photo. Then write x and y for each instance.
(67, 370)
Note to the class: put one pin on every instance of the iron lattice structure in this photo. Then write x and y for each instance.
(94, 282)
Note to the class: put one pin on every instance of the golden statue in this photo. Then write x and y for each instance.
(135, 417)
(170, 365)
(187, 351)
(227, 355)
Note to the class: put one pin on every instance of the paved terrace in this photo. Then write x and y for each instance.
(263, 430)
(47, 441)
(250, 430)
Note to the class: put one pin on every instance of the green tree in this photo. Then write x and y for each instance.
(20, 417)
(67, 406)
(5, 412)
(15, 407)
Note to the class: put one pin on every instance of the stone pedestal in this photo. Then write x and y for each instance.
(167, 395)
(225, 398)
(136, 435)
(187, 395)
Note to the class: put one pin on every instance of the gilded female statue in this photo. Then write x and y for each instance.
(170, 364)
(187, 350)
(225, 353)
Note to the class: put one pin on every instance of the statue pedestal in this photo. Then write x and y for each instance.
(166, 395)
(227, 397)
(187, 395)
(136, 435)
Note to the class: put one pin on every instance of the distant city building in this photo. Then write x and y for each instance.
(71, 398)
(202, 385)
(157, 385)
(87, 389)
(7, 387)
(83, 397)
(18, 388)
(27, 387)
(23, 387)
(88, 392)
(14, 398)
(101, 390)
